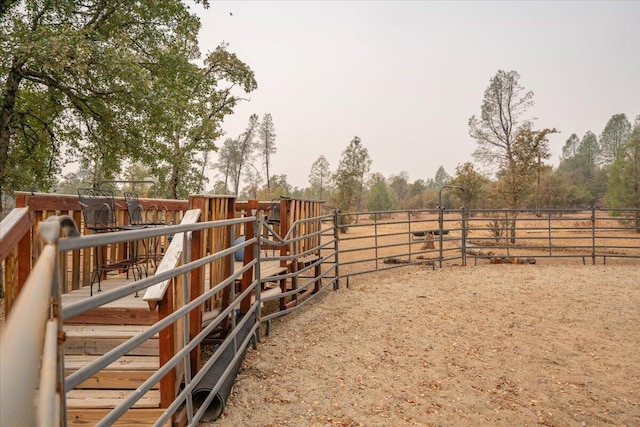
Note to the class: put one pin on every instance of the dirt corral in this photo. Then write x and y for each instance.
(486, 345)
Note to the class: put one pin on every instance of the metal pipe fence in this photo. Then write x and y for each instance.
(319, 253)
(377, 241)
(311, 239)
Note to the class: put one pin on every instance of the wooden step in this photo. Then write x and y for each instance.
(109, 399)
(99, 339)
(126, 373)
(116, 316)
(133, 417)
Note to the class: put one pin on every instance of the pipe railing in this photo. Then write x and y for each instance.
(189, 340)
(592, 233)
(391, 239)
(31, 339)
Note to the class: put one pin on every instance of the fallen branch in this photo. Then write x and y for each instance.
(512, 260)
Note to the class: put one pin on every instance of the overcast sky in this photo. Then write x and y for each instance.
(406, 76)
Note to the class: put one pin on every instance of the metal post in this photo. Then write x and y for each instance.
(375, 236)
(440, 227)
(593, 234)
(336, 283)
(463, 243)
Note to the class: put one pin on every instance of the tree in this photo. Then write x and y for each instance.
(349, 178)
(278, 187)
(379, 198)
(614, 134)
(267, 137)
(472, 181)
(570, 148)
(624, 182)
(237, 153)
(108, 82)
(501, 116)
(441, 178)
(319, 177)
(579, 169)
(506, 139)
(400, 185)
(76, 74)
(529, 149)
(190, 118)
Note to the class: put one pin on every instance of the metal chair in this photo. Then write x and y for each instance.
(98, 209)
(139, 217)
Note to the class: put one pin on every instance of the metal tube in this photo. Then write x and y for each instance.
(22, 344)
(48, 401)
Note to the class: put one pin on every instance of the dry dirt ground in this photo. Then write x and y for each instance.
(504, 345)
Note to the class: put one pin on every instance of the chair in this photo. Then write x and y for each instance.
(138, 217)
(137, 214)
(98, 209)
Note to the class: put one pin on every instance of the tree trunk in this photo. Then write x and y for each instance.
(8, 103)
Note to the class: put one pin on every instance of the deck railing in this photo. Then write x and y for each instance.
(31, 339)
(180, 294)
(20, 247)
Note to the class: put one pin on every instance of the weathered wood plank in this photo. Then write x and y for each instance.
(87, 345)
(12, 228)
(103, 399)
(115, 316)
(123, 380)
(125, 363)
(103, 331)
(169, 261)
(133, 418)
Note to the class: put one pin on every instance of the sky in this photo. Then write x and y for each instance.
(406, 76)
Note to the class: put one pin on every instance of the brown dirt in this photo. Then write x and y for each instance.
(486, 345)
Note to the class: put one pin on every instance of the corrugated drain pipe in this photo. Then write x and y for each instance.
(206, 384)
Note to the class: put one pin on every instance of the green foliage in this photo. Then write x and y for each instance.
(320, 179)
(624, 182)
(108, 83)
(441, 178)
(472, 181)
(267, 138)
(613, 136)
(379, 198)
(579, 170)
(278, 187)
(349, 178)
(235, 155)
(400, 185)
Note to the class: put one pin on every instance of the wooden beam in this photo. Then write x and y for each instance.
(170, 260)
(13, 228)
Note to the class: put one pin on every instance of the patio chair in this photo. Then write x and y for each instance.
(139, 217)
(98, 209)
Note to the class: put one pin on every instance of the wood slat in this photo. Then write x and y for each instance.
(103, 399)
(133, 418)
(169, 261)
(99, 346)
(115, 379)
(125, 363)
(115, 316)
(104, 331)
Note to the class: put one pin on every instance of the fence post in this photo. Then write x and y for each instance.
(507, 228)
(463, 243)
(336, 283)
(593, 234)
(440, 228)
(375, 236)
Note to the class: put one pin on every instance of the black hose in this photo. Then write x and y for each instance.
(206, 384)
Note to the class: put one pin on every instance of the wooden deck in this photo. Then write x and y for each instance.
(92, 334)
